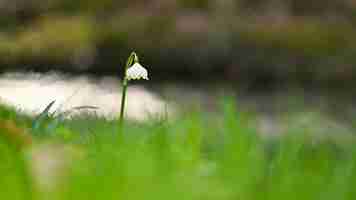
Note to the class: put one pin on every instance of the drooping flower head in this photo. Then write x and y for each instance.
(136, 72)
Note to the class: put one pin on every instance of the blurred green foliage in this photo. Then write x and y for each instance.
(196, 156)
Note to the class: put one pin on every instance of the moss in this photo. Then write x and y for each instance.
(194, 4)
(307, 38)
(44, 38)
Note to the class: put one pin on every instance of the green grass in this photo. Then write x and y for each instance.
(195, 156)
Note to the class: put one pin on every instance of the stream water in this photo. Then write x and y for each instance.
(275, 112)
(33, 92)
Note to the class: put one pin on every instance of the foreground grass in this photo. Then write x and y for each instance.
(196, 156)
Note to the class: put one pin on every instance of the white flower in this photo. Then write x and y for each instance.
(136, 71)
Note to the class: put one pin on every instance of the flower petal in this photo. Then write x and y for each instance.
(136, 71)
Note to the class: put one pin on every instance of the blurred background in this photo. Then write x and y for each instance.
(274, 55)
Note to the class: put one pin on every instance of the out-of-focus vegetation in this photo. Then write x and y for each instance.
(197, 156)
(294, 40)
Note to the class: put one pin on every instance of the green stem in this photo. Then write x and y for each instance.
(132, 59)
(123, 99)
